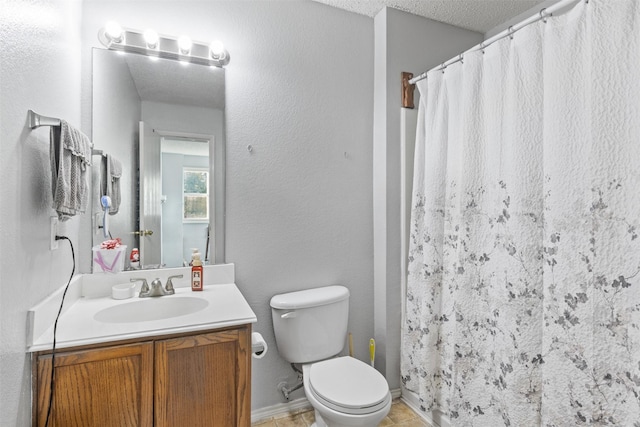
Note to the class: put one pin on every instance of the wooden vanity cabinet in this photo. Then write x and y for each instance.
(190, 379)
(111, 386)
(202, 380)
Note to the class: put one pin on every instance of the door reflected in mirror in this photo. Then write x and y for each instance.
(164, 121)
(185, 199)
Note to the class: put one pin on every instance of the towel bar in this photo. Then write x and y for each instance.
(36, 120)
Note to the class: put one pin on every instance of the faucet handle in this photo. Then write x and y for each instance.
(169, 288)
(145, 285)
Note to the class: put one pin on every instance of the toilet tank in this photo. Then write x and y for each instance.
(311, 325)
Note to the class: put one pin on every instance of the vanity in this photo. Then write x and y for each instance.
(182, 359)
(171, 360)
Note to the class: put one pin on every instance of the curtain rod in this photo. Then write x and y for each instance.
(542, 15)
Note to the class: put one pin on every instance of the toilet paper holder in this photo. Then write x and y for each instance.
(258, 346)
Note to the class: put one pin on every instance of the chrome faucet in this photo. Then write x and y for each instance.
(145, 286)
(156, 289)
(169, 286)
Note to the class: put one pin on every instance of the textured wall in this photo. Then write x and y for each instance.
(299, 90)
(39, 70)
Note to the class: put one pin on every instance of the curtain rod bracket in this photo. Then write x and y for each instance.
(407, 90)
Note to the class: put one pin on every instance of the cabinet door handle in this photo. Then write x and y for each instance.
(288, 315)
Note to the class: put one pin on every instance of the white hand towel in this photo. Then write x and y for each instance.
(114, 172)
(70, 154)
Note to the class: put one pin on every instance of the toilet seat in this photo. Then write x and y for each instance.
(348, 385)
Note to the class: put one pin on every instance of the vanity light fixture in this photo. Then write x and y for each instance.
(151, 38)
(216, 50)
(184, 45)
(114, 32)
(150, 43)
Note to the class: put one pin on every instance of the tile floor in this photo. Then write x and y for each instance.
(400, 415)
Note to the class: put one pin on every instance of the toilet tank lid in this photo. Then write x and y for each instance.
(310, 297)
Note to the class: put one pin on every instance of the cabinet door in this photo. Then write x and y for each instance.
(204, 380)
(110, 386)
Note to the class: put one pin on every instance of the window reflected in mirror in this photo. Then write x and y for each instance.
(195, 187)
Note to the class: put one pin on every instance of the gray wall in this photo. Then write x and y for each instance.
(39, 70)
(403, 42)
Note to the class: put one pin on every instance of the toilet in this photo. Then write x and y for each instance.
(311, 329)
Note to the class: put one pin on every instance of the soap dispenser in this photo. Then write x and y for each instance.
(196, 271)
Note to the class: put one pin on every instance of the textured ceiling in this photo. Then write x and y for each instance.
(477, 15)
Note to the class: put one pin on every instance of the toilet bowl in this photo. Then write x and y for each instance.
(311, 328)
(346, 392)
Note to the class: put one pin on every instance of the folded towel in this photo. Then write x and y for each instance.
(70, 154)
(114, 172)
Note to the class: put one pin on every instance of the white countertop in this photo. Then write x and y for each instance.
(77, 325)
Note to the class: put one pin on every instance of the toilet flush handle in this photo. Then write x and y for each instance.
(288, 315)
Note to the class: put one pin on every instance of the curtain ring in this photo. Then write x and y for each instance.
(511, 32)
(482, 48)
(443, 67)
(461, 59)
(544, 17)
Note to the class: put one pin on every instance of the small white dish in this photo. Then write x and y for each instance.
(123, 291)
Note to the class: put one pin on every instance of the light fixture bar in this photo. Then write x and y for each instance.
(166, 47)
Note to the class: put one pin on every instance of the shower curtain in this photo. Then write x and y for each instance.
(523, 295)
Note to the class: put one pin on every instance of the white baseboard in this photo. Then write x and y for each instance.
(396, 393)
(280, 410)
(435, 418)
(291, 408)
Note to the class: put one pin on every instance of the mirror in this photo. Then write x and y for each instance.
(162, 122)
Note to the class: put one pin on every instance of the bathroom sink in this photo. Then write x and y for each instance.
(151, 309)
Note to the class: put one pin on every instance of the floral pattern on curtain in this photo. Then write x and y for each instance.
(523, 295)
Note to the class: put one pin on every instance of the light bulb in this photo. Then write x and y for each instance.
(114, 32)
(151, 38)
(184, 43)
(216, 49)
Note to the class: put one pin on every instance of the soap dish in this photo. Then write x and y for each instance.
(123, 291)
